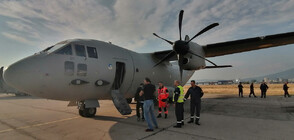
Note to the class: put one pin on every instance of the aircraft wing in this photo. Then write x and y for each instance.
(237, 46)
(161, 54)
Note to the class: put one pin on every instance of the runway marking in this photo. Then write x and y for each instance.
(37, 125)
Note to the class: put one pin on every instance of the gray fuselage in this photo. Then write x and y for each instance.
(51, 75)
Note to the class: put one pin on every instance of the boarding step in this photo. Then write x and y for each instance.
(120, 103)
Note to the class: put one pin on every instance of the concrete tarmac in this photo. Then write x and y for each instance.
(223, 117)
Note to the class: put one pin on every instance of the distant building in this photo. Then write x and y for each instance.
(265, 79)
(225, 82)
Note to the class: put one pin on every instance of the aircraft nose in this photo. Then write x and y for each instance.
(19, 74)
(12, 74)
(9, 75)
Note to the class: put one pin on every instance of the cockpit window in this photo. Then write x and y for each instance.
(65, 50)
(92, 53)
(54, 48)
(80, 50)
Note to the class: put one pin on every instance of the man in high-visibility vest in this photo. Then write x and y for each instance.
(162, 99)
(178, 99)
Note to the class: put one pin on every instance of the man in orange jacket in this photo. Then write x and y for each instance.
(162, 100)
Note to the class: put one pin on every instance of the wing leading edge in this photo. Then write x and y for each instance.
(243, 45)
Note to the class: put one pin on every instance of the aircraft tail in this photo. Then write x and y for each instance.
(1, 80)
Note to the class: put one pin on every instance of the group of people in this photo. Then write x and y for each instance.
(263, 89)
(145, 97)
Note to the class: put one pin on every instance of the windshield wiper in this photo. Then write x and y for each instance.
(47, 49)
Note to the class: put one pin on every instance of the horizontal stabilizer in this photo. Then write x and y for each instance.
(214, 67)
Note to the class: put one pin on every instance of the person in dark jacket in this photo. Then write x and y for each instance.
(251, 90)
(240, 89)
(195, 102)
(140, 102)
(263, 89)
(285, 88)
(148, 92)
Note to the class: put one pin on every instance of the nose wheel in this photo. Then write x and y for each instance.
(87, 112)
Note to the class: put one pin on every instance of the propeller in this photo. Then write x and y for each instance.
(181, 47)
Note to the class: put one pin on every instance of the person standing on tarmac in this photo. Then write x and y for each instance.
(148, 92)
(140, 102)
(195, 102)
(240, 89)
(285, 88)
(162, 100)
(263, 89)
(178, 99)
(251, 90)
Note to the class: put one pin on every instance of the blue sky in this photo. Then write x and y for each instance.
(28, 26)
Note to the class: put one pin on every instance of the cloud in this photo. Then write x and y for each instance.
(127, 22)
(17, 38)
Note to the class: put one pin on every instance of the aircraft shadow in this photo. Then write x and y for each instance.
(13, 97)
(107, 118)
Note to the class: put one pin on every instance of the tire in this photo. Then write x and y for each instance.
(129, 100)
(81, 112)
(89, 112)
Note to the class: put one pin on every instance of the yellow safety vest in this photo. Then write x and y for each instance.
(181, 97)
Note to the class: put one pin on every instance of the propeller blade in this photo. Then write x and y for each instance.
(202, 58)
(181, 57)
(204, 30)
(180, 22)
(163, 39)
(169, 55)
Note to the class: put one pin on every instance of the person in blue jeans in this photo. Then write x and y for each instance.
(148, 91)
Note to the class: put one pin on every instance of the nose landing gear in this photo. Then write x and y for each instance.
(87, 108)
(87, 112)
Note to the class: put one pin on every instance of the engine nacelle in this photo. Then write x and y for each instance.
(192, 62)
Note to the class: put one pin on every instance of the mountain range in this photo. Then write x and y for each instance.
(287, 74)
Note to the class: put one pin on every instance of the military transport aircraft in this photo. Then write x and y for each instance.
(83, 71)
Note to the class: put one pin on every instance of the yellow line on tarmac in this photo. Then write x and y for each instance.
(37, 125)
(2, 131)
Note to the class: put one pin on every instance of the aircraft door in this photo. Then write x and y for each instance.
(119, 75)
(117, 95)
